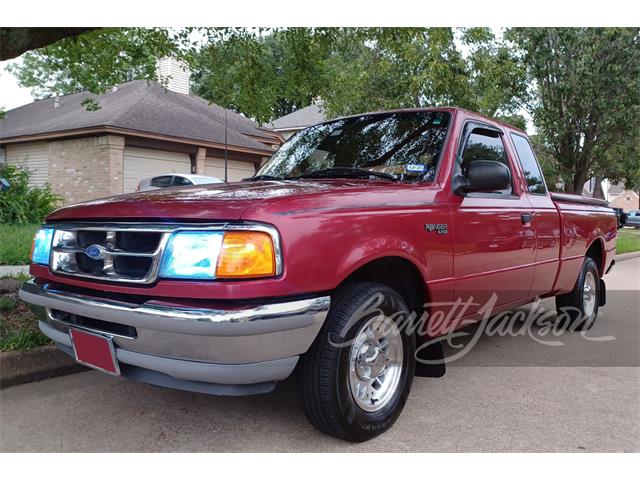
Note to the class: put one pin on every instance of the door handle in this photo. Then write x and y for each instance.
(526, 218)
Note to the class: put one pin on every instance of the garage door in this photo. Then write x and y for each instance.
(142, 163)
(32, 156)
(236, 170)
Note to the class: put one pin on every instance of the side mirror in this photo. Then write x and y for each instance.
(483, 176)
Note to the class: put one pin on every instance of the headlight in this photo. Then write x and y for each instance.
(41, 246)
(191, 255)
(216, 254)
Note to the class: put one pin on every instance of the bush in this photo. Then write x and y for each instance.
(21, 203)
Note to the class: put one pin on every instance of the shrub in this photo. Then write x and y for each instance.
(21, 203)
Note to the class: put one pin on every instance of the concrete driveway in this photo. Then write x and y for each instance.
(508, 394)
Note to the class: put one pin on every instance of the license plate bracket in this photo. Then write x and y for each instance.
(95, 351)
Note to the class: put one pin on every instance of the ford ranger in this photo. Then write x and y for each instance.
(228, 288)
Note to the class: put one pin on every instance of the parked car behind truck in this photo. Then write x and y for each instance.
(228, 289)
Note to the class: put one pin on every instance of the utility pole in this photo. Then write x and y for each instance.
(225, 145)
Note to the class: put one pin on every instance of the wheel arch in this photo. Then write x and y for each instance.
(397, 272)
(597, 254)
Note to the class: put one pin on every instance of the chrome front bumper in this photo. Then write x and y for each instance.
(224, 351)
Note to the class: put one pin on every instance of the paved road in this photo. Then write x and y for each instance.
(507, 394)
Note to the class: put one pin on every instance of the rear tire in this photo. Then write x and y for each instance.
(581, 304)
(356, 377)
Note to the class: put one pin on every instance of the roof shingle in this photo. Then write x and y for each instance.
(301, 118)
(139, 105)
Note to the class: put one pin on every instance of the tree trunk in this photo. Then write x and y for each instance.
(597, 189)
(575, 187)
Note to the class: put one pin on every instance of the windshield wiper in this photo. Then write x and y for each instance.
(346, 172)
(265, 177)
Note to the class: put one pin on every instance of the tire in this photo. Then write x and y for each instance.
(582, 312)
(333, 394)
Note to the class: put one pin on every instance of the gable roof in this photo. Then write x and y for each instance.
(138, 106)
(301, 118)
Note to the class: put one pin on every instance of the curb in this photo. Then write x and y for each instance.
(626, 256)
(33, 365)
(9, 270)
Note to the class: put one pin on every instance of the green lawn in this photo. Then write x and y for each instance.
(18, 325)
(628, 240)
(15, 243)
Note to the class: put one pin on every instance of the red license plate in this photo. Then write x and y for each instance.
(95, 351)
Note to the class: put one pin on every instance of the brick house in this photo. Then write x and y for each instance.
(140, 129)
(618, 197)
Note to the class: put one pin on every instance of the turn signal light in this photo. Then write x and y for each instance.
(246, 254)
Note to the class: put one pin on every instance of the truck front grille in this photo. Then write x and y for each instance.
(119, 253)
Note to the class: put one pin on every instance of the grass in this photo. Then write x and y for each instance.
(18, 325)
(628, 241)
(15, 243)
(7, 303)
(23, 340)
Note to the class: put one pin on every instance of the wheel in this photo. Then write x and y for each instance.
(356, 377)
(581, 304)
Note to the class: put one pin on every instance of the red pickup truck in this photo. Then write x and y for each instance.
(227, 289)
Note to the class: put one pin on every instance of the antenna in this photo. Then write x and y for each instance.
(225, 145)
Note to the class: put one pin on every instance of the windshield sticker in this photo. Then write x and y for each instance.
(416, 168)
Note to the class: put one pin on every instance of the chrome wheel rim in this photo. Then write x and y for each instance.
(589, 294)
(375, 363)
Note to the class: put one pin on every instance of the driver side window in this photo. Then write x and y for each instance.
(485, 144)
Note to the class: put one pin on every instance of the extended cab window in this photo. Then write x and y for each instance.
(485, 144)
(532, 173)
(162, 182)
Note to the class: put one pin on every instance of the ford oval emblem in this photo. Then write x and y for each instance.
(95, 251)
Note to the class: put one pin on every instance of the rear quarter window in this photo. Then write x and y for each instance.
(529, 164)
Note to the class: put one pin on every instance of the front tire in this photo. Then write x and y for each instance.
(355, 379)
(582, 303)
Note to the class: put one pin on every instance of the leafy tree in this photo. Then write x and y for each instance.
(586, 98)
(263, 73)
(95, 60)
(269, 73)
(14, 41)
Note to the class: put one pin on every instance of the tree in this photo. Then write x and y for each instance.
(95, 60)
(264, 73)
(15, 41)
(382, 68)
(585, 98)
(267, 73)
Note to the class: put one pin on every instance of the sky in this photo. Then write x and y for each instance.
(12, 95)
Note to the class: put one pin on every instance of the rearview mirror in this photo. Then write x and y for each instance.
(483, 176)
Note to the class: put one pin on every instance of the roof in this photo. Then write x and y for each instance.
(301, 118)
(137, 106)
(616, 189)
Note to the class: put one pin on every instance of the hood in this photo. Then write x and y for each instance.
(198, 203)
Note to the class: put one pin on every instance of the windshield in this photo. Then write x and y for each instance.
(399, 146)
